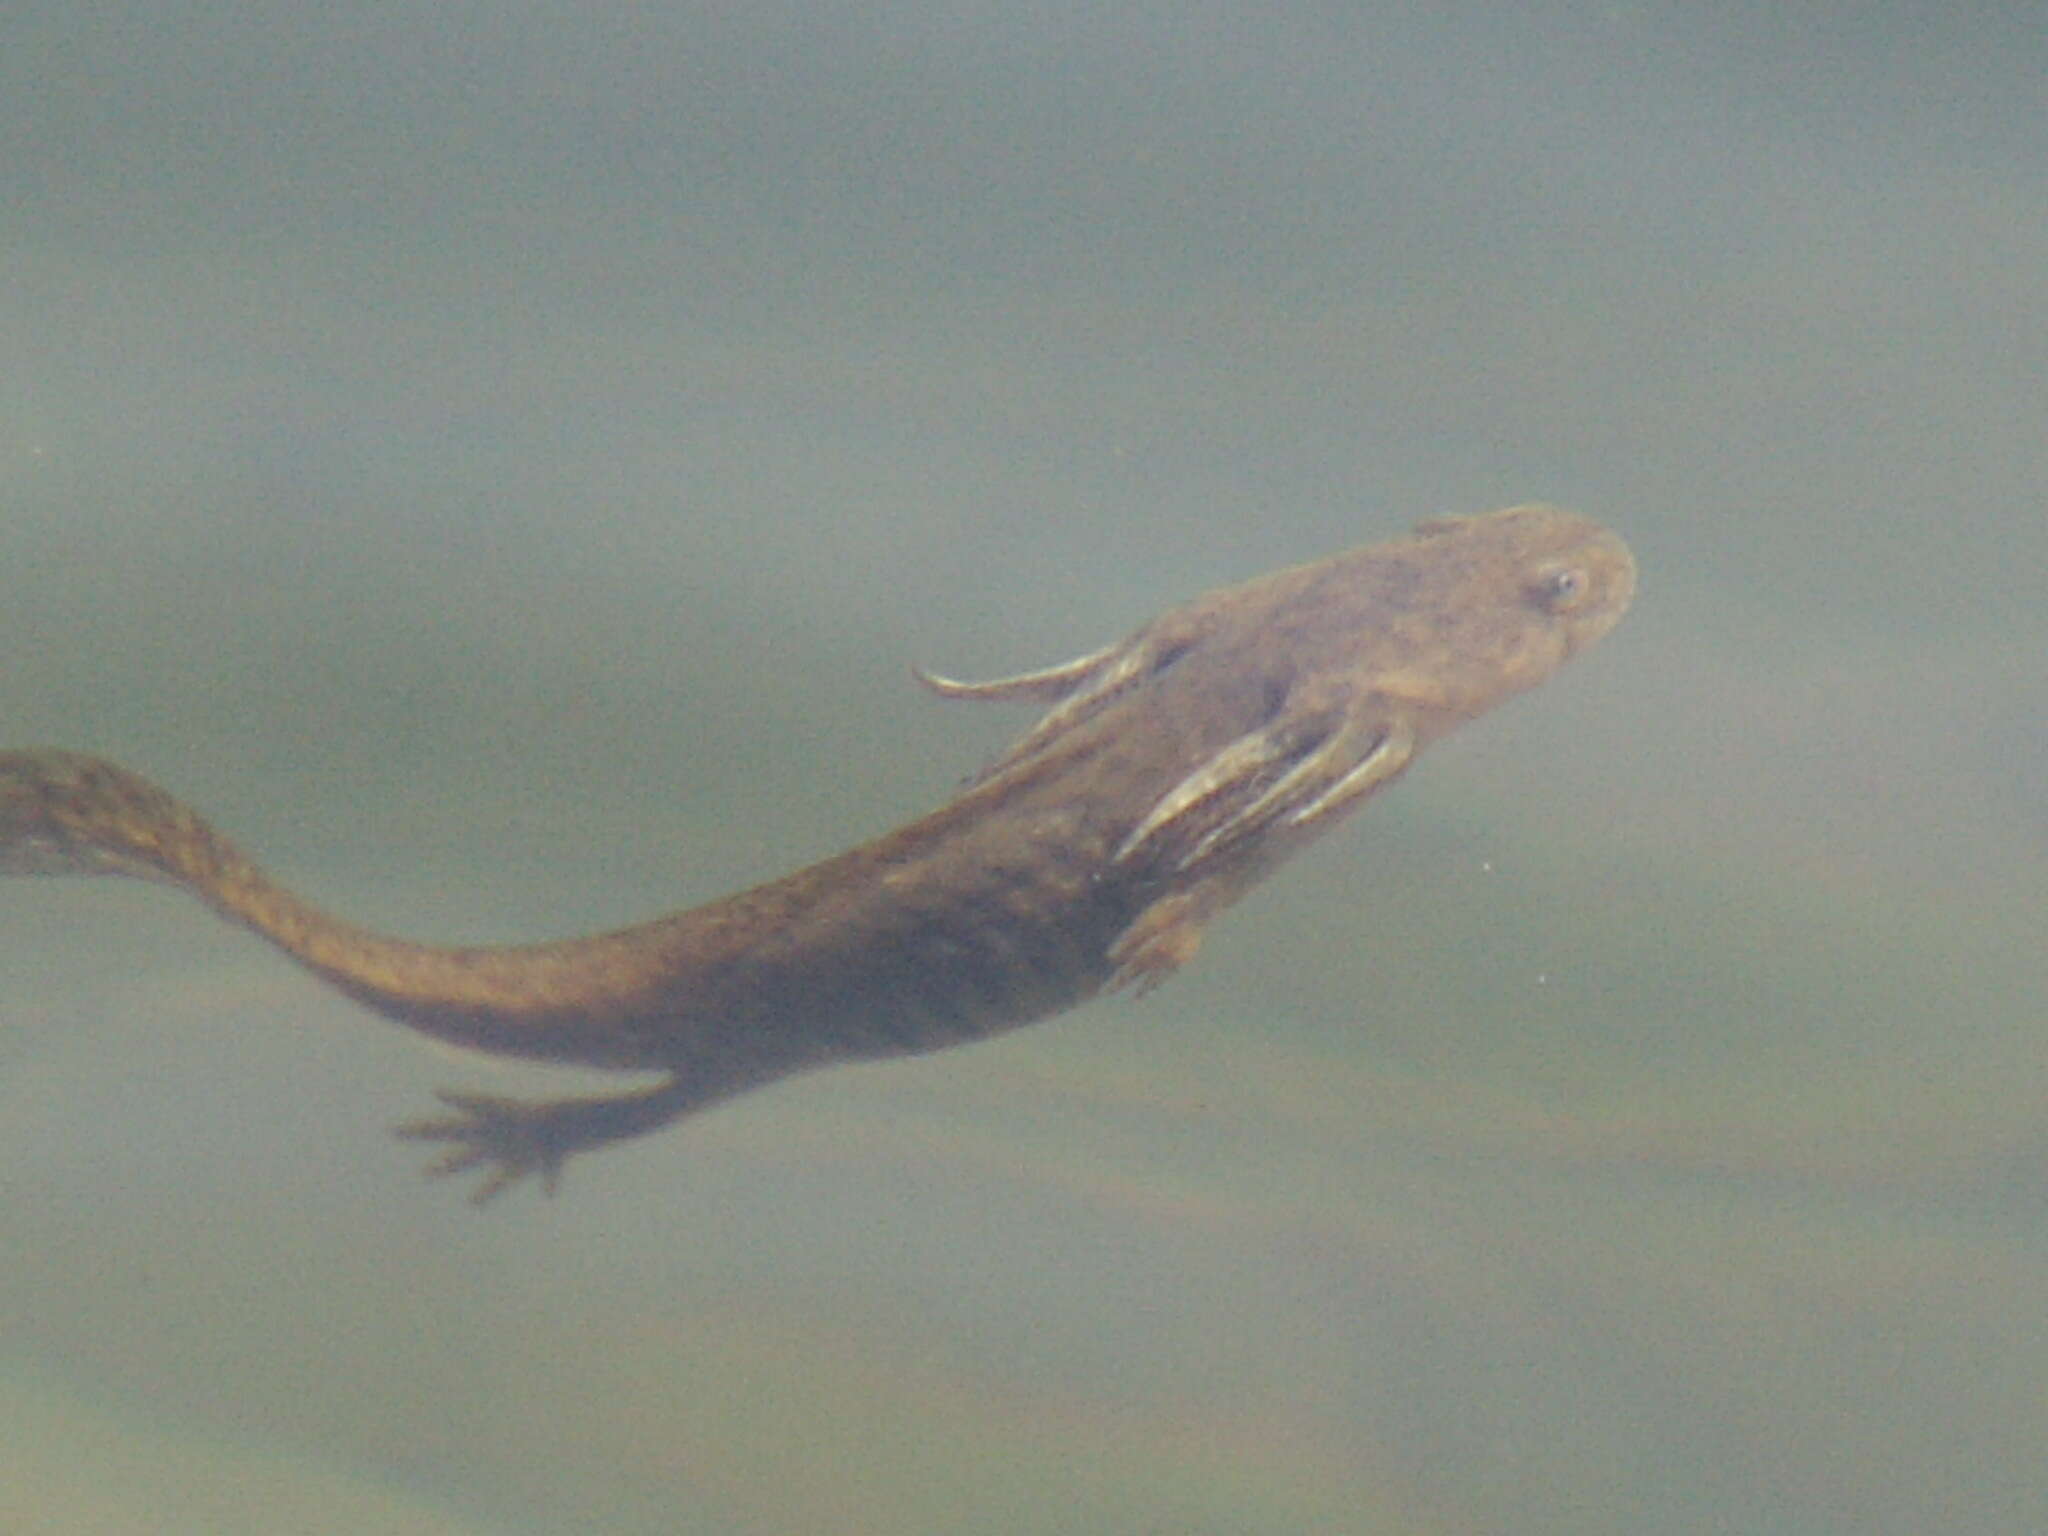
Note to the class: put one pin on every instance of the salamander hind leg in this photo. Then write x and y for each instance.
(512, 1138)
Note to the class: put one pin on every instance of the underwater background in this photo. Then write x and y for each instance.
(500, 461)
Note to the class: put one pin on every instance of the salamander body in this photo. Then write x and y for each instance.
(1169, 773)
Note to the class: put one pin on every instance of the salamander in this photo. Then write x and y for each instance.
(1169, 773)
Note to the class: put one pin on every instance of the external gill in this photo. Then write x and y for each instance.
(1080, 687)
(1327, 777)
(1047, 683)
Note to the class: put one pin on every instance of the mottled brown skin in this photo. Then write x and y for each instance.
(1172, 772)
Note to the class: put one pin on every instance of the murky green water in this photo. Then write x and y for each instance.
(501, 467)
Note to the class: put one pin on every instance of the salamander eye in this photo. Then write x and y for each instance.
(1560, 588)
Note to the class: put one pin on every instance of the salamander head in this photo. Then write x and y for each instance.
(1482, 608)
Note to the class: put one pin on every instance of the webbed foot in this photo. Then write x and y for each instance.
(510, 1139)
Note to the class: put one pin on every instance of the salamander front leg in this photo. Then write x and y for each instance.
(511, 1138)
(1165, 936)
